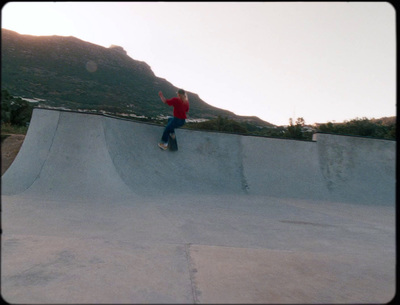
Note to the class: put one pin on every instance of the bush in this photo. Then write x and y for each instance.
(15, 111)
(362, 127)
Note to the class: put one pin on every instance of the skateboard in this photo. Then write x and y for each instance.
(172, 144)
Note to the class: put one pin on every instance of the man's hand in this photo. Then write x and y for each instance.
(162, 97)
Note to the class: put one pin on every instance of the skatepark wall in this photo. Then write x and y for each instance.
(358, 169)
(72, 155)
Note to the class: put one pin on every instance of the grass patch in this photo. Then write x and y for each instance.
(7, 129)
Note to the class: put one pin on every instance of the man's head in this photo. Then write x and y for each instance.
(181, 92)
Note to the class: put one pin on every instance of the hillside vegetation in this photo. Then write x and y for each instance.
(16, 114)
(384, 128)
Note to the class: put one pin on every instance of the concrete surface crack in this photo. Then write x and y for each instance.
(191, 270)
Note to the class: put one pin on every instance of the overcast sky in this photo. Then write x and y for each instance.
(323, 61)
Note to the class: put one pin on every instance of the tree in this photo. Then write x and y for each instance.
(295, 131)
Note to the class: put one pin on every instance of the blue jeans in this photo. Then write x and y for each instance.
(170, 128)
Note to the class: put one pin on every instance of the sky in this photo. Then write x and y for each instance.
(322, 61)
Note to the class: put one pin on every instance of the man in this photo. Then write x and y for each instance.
(181, 107)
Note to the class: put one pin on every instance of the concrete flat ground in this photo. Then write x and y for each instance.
(94, 212)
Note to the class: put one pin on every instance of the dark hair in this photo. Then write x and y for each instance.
(181, 91)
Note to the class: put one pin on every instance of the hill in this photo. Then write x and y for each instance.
(68, 72)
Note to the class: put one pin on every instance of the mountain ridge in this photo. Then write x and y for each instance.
(68, 72)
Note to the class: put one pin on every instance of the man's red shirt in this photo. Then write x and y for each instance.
(180, 107)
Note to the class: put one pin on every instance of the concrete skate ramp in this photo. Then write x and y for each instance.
(94, 212)
(82, 156)
(77, 155)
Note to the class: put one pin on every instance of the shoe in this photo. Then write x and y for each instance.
(163, 146)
